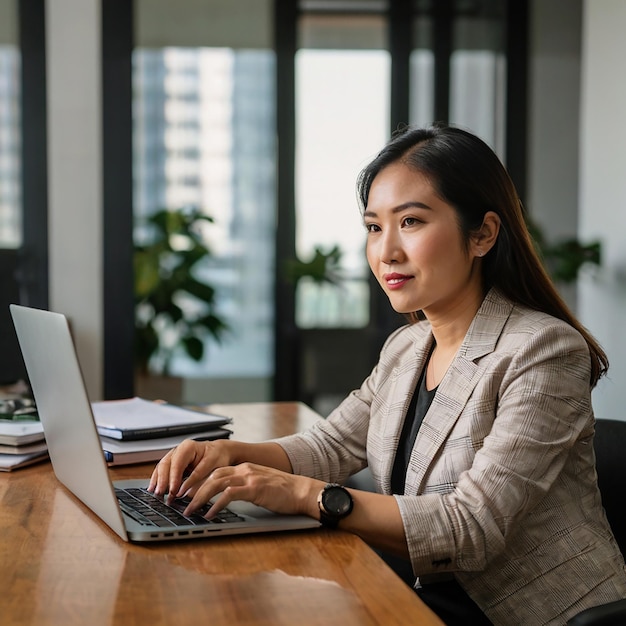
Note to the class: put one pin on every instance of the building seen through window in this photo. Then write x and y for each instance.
(10, 148)
(204, 136)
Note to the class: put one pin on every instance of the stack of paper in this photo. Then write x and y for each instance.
(21, 443)
(139, 431)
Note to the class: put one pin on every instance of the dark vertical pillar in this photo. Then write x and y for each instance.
(117, 179)
(400, 46)
(517, 27)
(443, 20)
(32, 273)
(286, 338)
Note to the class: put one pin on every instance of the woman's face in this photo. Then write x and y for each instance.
(415, 246)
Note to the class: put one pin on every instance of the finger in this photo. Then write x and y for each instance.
(157, 479)
(186, 455)
(194, 476)
(224, 499)
(167, 475)
(153, 479)
(209, 489)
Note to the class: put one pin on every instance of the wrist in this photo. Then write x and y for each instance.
(311, 507)
(235, 451)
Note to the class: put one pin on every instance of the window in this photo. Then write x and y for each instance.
(478, 75)
(342, 113)
(203, 136)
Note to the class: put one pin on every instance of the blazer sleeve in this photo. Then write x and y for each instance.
(336, 447)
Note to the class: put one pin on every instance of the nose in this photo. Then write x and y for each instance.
(390, 247)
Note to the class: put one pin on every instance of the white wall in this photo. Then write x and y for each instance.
(554, 90)
(554, 120)
(602, 302)
(8, 22)
(243, 23)
(73, 66)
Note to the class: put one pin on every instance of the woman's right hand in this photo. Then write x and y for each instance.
(188, 464)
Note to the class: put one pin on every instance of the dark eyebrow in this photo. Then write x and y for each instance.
(401, 207)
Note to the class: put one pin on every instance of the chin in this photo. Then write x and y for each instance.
(403, 309)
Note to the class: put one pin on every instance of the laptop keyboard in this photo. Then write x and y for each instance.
(151, 510)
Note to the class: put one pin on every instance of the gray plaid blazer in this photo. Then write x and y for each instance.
(501, 489)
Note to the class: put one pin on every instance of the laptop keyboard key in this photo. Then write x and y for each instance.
(149, 509)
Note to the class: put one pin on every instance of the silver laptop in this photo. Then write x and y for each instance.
(78, 459)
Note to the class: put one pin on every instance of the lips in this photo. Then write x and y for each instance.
(395, 281)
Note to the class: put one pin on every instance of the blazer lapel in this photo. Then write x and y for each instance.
(456, 387)
(402, 388)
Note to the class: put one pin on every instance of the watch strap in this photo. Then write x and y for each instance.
(328, 521)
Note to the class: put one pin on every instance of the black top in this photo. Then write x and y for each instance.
(420, 403)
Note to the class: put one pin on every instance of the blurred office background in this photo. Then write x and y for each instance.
(261, 113)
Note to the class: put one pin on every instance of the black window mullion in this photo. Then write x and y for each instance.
(117, 188)
(33, 264)
(517, 20)
(400, 46)
(443, 19)
(286, 336)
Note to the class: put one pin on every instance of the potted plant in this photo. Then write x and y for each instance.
(174, 308)
(563, 258)
(324, 267)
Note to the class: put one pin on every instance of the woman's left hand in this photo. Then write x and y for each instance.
(265, 486)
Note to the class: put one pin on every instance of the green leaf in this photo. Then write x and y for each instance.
(215, 325)
(324, 267)
(564, 258)
(164, 264)
(202, 291)
(194, 347)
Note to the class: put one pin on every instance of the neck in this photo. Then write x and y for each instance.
(450, 326)
(449, 330)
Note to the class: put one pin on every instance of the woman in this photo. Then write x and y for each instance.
(476, 423)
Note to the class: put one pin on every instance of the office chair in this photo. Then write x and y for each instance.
(609, 445)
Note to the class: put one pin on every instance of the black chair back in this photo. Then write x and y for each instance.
(610, 448)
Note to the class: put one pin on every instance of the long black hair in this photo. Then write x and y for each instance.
(466, 174)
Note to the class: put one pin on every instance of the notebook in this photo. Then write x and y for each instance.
(77, 456)
(136, 419)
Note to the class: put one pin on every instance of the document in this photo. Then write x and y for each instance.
(21, 443)
(9, 462)
(20, 432)
(117, 452)
(136, 418)
(27, 448)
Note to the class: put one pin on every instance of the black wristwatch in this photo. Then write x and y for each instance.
(335, 503)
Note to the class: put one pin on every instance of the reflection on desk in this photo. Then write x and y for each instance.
(62, 565)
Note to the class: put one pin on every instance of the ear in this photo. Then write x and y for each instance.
(485, 237)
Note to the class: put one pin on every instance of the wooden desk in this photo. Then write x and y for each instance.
(60, 565)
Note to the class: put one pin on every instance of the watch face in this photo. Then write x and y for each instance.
(337, 501)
